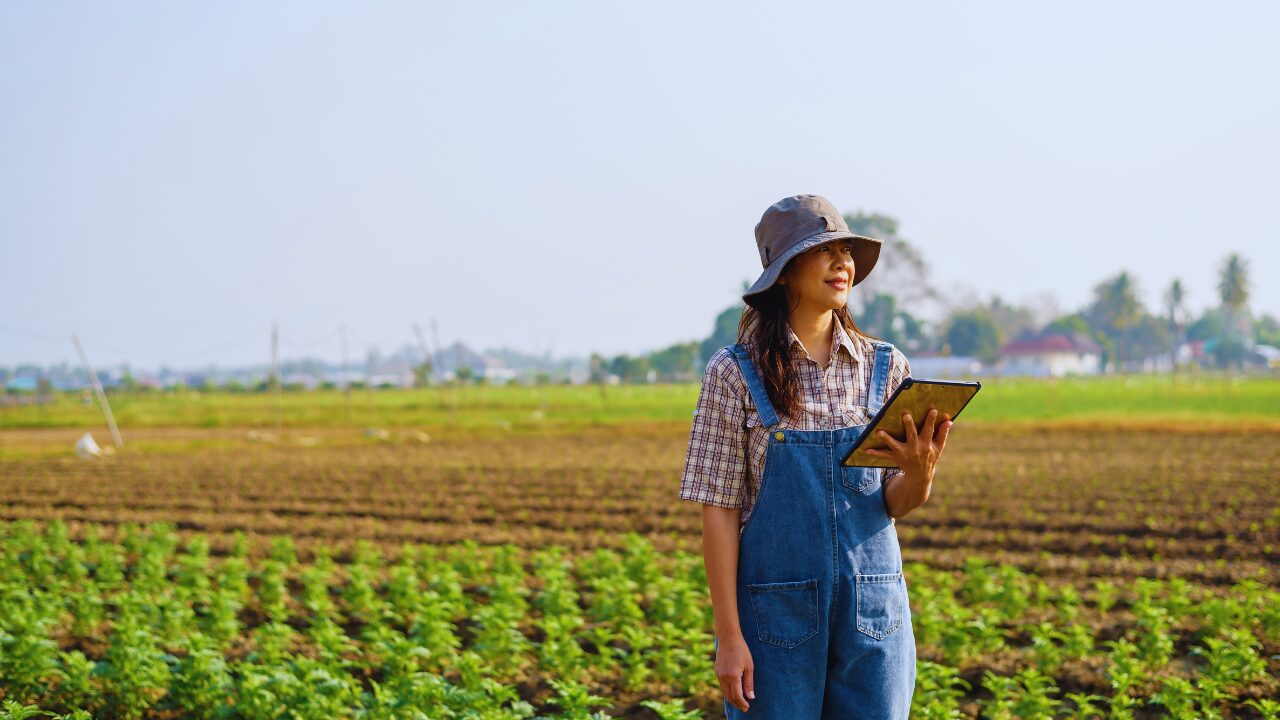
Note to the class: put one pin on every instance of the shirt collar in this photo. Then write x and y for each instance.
(839, 338)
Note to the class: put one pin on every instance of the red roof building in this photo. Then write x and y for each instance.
(1050, 355)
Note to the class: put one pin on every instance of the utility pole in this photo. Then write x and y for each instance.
(422, 345)
(368, 383)
(275, 370)
(453, 394)
(435, 341)
(102, 396)
(346, 382)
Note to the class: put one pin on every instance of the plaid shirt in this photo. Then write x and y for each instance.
(727, 442)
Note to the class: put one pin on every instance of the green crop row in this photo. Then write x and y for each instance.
(153, 625)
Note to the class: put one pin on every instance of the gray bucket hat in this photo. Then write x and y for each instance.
(797, 223)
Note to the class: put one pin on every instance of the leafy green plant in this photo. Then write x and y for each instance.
(1083, 706)
(938, 692)
(28, 658)
(14, 710)
(1105, 594)
(76, 686)
(1232, 658)
(576, 700)
(1177, 697)
(135, 673)
(272, 590)
(201, 684)
(1268, 708)
(671, 710)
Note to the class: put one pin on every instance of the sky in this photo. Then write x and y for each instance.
(585, 177)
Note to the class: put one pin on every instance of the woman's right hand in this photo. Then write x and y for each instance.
(735, 671)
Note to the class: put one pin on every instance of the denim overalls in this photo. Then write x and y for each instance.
(822, 601)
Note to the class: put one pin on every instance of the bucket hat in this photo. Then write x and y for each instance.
(795, 224)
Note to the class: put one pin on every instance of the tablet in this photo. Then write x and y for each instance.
(915, 396)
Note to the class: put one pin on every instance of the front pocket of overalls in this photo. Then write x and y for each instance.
(862, 480)
(786, 613)
(881, 599)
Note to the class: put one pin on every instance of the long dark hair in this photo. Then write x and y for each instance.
(763, 329)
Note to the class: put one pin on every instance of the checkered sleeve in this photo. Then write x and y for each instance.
(899, 369)
(715, 467)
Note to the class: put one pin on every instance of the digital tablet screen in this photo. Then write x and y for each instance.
(915, 396)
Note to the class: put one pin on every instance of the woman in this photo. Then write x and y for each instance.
(802, 556)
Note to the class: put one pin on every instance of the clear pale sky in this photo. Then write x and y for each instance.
(586, 176)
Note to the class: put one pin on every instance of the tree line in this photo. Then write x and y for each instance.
(1115, 318)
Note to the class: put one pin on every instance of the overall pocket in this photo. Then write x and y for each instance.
(862, 480)
(881, 599)
(786, 613)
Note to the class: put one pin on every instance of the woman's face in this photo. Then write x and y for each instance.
(811, 277)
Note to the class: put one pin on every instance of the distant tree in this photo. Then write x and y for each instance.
(422, 374)
(974, 333)
(1207, 326)
(1115, 311)
(724, 331)
(1151, 336)
(630, 369)
(1236, 337)
(1076, 323)
(127, 382)
(1067, 324)
(1012, 320)
(878, 314)
(882, 318)
(1233, 282)
(900, 270)
(910, 333)
(465, 374)
(620, 365)
(597, 369)
(1266, 330)
(1175, 305)
(677, 362)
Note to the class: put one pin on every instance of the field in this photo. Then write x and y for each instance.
(1196, 398)
(519, 552)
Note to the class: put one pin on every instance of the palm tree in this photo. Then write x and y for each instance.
(1233, 290)
(1175, 299)
(1233, 282)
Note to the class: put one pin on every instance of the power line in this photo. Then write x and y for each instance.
(307, 344)
(252, 336)
(33, 336)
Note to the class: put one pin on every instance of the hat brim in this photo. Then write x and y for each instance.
(866, 250)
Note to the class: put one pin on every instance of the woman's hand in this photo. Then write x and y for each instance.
(918, 455)
(735, 671)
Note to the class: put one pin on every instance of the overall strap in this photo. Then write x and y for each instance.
(768, 417)
(879, 377)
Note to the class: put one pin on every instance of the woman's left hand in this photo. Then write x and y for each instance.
(918, 455)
